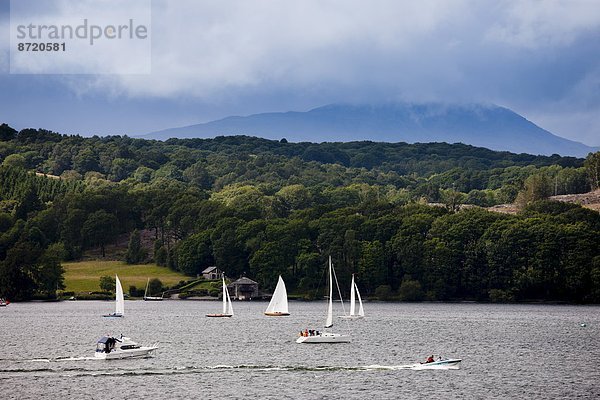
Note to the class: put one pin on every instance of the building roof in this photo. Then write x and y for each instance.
(244, 281)
(209, 270)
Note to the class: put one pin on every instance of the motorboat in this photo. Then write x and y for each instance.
(441, 363)
(112, 348)
(323, 337)
(3, 302)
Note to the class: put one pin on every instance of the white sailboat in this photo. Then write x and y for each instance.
(119, 301)
(354, 293)
(278, 306)
(150, 298)
(325, 337)
(227, 306)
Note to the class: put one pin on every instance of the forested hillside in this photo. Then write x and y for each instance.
(265, 208)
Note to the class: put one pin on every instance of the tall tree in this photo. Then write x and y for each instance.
(99, 229)
(592, 166)
(135, 252)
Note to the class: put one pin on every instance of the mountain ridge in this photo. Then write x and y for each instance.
(482, 125)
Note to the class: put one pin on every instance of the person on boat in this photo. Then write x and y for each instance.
(306, 332)
(430, 359)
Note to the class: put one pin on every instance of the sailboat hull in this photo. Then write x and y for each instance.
(324, 338)
(219, 315)
(114, 316)
(351, 316)
(277, 314)
(153, 298)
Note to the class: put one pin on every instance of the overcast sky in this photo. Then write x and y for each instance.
(211, 59)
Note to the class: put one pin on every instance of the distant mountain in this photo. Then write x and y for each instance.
(489, 126)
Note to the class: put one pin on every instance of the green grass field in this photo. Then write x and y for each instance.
(84, 276)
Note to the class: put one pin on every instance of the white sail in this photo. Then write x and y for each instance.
(354, 293)
(227, 306)
(229, 303)
(352, 297)
(120, 300)
(329, 321)
(361, 311)
(278, 303)
(146, 291)
(225, 297)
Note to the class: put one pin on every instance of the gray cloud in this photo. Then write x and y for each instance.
(216, 58)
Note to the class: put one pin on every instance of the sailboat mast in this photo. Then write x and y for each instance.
(329, 322)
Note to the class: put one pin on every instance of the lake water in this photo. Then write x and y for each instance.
(508, 351)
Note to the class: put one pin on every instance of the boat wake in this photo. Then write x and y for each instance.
(54, 368)
(62, 359)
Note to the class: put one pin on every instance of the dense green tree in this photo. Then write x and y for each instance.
(228, 252)
(410, 290)
(14, 160)
(135, 252)
(7, 133)
(536, 187)
(108, 283)
(592, 167)
(17, 271)
(372, 267)
(99, 229)
(267, 208)
(194, 254)
(155, 286)
(50, 272)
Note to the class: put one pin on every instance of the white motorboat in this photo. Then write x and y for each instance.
(119, 301)
(447, 363)
(314, 336)
(111, 348)
(3, 302)
(150, 298)
(324, 337)
(278, 306)
(354, 293)
(227, 306)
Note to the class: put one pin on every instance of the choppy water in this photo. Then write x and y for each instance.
(508, 351)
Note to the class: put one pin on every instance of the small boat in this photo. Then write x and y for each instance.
(325, 337)
(119, 301)
(110, 348)
(278, 306)
(353, 294)
(4, 302)
(150, 298)
(447, 363)
(227, 306)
